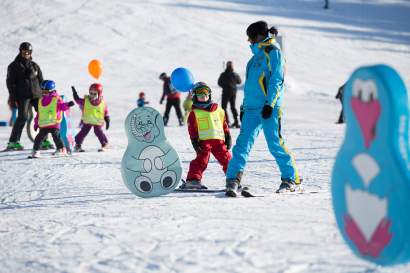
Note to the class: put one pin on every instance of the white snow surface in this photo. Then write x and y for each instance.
(76, 215)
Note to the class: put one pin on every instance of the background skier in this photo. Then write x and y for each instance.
(173, 99)
(228, 80)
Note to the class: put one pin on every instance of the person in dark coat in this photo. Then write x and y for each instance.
(228, 80)
(339, 96)
(23, 83)
(173, 99)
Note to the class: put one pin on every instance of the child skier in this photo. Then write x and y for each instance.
(141, 100)
(209, 133)
(94, 113)
(49, 117)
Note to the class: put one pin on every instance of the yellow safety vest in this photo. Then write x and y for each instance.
(47, 115)
(93, 114)
(210, 124)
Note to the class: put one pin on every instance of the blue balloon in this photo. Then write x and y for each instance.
(182, 79)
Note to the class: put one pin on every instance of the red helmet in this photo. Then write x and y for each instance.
(142, 94)
(98, 87)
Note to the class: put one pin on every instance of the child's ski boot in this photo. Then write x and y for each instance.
(78, 149)
(47, 145)
(192, 185)
(34, 154)
(103, 147)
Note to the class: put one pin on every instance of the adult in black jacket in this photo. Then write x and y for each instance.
(23, 82)
(228, 80)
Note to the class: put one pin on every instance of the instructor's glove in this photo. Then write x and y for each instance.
(228, 141)
(35, 127)
(241, 113)
(12, 102)
(75, 94)
(107, 122)
(266, 111)
(71, 103)
(196, 144)
(161, 101)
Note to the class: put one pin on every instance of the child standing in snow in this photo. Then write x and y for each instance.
(209, 133)
(48, 118)
(141, 100)
(94, 113)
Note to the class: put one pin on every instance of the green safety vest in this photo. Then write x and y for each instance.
(210, 124)
(47, 115)
(93, 114)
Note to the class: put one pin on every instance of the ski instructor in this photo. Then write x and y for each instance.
(261, 109)
(23, 82)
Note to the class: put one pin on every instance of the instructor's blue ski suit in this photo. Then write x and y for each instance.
(263, 85)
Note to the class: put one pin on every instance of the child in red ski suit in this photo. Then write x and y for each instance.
(209, 133)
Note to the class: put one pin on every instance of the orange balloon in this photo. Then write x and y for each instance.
(95, 68)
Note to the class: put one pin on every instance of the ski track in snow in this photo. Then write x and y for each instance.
(74, 214)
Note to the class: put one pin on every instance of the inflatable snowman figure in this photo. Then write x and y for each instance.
(371, 175)
(150, 166)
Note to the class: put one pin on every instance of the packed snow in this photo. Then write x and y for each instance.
(74, 214)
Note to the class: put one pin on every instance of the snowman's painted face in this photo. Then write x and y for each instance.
(366, 108)
(143, 126)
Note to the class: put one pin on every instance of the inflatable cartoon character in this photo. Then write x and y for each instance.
(371, 175)
(150, 166)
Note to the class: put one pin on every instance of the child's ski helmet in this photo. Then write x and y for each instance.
(201, 89)
(48, 85)
(98, 87)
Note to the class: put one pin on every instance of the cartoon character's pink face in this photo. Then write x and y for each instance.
(366, 107)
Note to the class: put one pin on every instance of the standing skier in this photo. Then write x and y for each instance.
(263, 93)
(209, 133)
(339, 96)
(23, 82)
(49, 116)
(173, 99)
(94, 114)
(228, 80)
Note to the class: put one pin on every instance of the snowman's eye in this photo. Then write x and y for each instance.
(143, 184)
(140, 123)
(149, 122)
(365, 91)
(168, 179)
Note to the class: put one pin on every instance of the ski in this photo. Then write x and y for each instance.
(200, 190)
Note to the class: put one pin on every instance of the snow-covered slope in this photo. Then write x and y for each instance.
(75, 215)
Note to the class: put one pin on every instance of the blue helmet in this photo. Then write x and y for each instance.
(48, 85)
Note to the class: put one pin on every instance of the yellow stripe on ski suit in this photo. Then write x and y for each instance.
(282, 144)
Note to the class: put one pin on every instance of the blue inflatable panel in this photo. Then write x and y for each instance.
(371, 175)
(150, 166)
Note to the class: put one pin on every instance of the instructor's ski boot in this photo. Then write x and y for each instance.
(103, 147)
(287, 185)
(14, 146)
(47, 145)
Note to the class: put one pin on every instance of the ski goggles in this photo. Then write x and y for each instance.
(202, 91)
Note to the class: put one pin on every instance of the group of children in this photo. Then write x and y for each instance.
(50, 114)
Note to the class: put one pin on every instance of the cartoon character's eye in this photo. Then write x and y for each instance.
(140, 123)
(149, 122)
(168, 179)
(365, 91)
(143, 184)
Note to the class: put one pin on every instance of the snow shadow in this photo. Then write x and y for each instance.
(354, 19)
